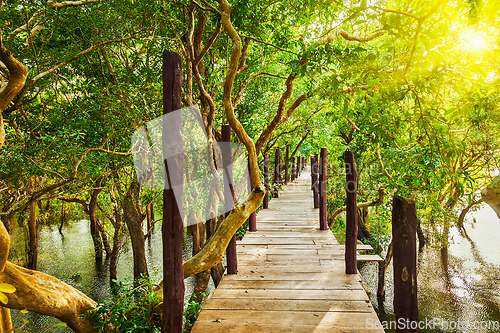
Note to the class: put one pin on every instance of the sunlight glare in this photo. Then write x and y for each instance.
(477, 43)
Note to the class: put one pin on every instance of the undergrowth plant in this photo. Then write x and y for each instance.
(133, 309)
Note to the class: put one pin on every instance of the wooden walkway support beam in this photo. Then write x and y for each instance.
(287, 163)
(315, 171)
(231, 256)
(172, 226)
(293, 169)
(323, 220)
(265, 203)
(404, 242)
(351, 232)
(277, 172)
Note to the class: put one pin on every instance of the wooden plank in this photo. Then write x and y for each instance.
(344, 282)
(289, 321)
(332, 294)
(369, 257)
(287, 305)
(288, 276)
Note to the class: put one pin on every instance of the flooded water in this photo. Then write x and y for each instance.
(70, 257)
(458, 287)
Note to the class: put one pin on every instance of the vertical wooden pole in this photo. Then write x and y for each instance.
(323, 221)
(265, 204)
(314, 171)
(287, 162)
(172, 226)
(312, 177)
(232, 264)
(404, 229)
(299, 162)
(351, 232)
(277, 170)
(293, 169)
(252, 220)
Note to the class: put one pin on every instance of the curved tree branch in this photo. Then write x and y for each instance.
(378, 202)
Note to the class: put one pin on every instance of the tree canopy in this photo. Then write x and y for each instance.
(411, 87)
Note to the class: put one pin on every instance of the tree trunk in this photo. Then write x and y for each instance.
(94, 229)
(149, 218)
(133, 217)
(104, 237)
(113, 260)
(202, 278)
(421, 237)
(32, 230)
(44, 294)
(63, 217)
(217, 271)
(5, 320)
(382, 267)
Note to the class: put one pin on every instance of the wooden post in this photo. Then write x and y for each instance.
(351, 232)
(323, 222)
(252, 220)
(277, 170)
(404, 229)
(293, 169)
(232, 264)
(172, 226)
(299, 163)
(265, 204)
(287, 162)
(312, 177)
(314, 172)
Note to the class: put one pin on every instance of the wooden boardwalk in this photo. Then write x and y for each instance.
(291, 277)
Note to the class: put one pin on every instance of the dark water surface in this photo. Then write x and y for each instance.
(70, 258)
(458, 287)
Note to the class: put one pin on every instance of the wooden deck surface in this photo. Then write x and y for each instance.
(291, 277)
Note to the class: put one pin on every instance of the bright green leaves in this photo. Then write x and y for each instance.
(6, 288)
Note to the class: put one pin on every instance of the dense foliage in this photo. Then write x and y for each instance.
(411, 87)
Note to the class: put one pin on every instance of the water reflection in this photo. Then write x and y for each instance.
(460, 283)
(70, 257)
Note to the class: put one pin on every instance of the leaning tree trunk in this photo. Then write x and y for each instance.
(42, 293)
(202, 278)
(134, 218)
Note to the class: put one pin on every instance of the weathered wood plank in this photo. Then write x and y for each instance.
(332, 294)
(342, 283)
(369, 257)
(289, 321)
(288, 305)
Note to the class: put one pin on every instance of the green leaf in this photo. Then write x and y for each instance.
(7, 288)
(3, 298)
